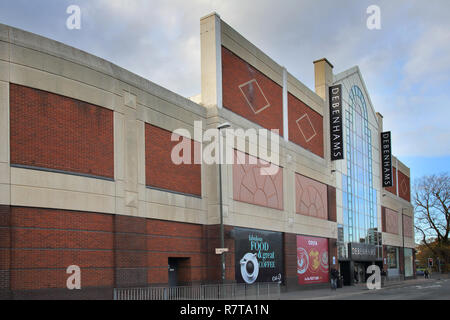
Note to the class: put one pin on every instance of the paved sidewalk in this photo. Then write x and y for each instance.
(348, 291)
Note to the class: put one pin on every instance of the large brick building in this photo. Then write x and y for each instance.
(86, 176)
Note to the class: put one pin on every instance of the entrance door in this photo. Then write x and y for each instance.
(173, 272)
(346, 272)
(360, 272)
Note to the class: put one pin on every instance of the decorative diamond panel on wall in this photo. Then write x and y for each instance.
(254, 96)
(305, 126)
(250, 93)
(404, 186)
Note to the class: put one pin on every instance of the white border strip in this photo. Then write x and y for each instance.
(218, 30)
(285, 106)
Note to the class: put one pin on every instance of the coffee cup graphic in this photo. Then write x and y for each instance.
(249, 267)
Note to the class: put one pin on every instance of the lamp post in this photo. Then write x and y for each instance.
(222, 236)
(403, 240)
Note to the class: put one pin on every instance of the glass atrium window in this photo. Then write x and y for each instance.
(359, 196)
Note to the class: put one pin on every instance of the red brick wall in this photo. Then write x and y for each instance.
(5, 253)
(305, 126)
(331, 193)
(212, 234)
(37, 246)
(333, 252)
(404, 188)
(260, 100)
(290, 259)
(393, 189)
(56, 132)
(161, 172)
(45, 242)
(130, 251)
(176, 240)
(194, 245)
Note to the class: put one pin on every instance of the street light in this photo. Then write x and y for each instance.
(222, 237)
(403, 239)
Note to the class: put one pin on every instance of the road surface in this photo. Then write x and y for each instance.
(418, 289)
(430, 290)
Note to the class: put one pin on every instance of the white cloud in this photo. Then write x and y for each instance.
(429, 57)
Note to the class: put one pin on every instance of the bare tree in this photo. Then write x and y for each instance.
(432, 218)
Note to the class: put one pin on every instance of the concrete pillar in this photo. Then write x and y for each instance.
(211, 60)
(285, 107)
(380, 122)
(130, 154)
(5, 170)
(323, 72)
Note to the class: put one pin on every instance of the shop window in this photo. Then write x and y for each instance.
(408, 262)
(392, 258)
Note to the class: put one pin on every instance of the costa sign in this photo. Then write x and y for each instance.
(312, 260)
(386, 159)
(336, 143)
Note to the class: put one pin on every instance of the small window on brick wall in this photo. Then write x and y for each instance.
(49, 131)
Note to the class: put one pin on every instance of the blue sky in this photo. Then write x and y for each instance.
(406, 64)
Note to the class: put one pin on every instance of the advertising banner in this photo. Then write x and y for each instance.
(312, 260)
(386, 159)
(258, 255)
(337, 142)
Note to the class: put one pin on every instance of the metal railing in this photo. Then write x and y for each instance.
(232, 291)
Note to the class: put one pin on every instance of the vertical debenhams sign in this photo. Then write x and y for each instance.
(337, 144)
(386, 159)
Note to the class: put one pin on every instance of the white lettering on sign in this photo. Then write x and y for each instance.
(221, 250)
